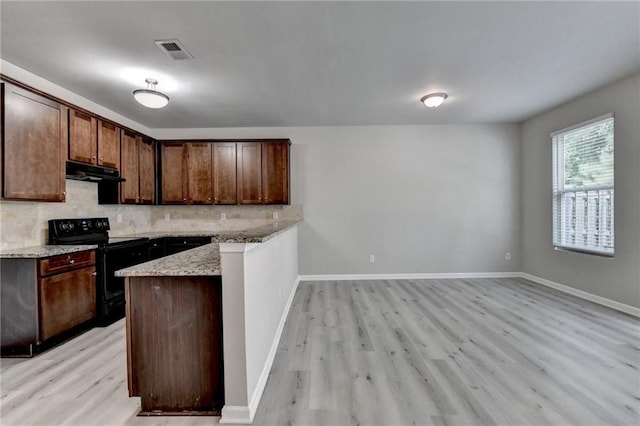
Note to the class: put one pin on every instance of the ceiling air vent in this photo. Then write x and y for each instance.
(173, 49)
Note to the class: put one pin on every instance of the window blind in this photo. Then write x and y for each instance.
(583, 187)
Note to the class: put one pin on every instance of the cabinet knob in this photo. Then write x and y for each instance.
(209, 199)
(94, 274)
(93, 158)
(184, 199)
(72, 261)
(64, 192)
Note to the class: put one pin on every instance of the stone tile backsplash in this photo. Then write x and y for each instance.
(24, 224)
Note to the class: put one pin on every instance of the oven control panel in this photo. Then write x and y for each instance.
(61, 229)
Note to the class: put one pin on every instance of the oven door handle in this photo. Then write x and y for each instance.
(125, 246)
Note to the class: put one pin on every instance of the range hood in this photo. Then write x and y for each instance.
(90, 173)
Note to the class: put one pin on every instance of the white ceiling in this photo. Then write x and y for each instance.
(326, 63)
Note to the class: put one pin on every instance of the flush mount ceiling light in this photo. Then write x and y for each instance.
(434, 99)
(150, 97)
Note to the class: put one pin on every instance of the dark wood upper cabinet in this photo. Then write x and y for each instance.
(186, 173)
(35, 134)
(108, 145)
(147, 173)
(242, 172)
(93, 141)
(275, 172)
(82, 137)
(174, 173)
(137, 166)
(129, 168)
(224, 173)
(249, 172)
(199, 175)
(40, 133)
(263, 172)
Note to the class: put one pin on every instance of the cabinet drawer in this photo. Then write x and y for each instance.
(175, 245)
(193, 241)
(67, 300)
(66, 262)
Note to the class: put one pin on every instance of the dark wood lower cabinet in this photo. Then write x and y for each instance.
(66, 300)
(174, 344)
(45, 301)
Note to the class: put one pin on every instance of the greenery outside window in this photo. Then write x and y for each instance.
(583, 190)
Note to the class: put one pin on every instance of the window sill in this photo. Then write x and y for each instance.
(584, 251)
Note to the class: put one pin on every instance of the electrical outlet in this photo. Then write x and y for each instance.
(372, 258)
(275, 215)
(223, 216)
(119, 218)
(167, 216)
(507, 256)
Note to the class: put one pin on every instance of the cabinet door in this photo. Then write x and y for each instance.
(108, 145)
(34, 146)
(275, 172)
(147, 171)
(82, 137)
(249, 172)
(174, 174)
(66, 300)
(199, 173)
(224, 173)
(129, 190)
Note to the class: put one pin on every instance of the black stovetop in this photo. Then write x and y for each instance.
(85, 231)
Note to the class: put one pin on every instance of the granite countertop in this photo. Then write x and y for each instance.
(37, 252)
(201, 261)
(260, 234)
(204, 260)
(163, 234)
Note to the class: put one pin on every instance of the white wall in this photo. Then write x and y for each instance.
(616, 278)
(258, 285)
(422, 199)
(271, 272)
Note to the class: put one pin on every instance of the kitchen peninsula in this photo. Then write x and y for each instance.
(190, 314)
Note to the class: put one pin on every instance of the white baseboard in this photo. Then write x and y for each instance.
(423, 276)
(627, 309)
(236, 414)
(245, 414)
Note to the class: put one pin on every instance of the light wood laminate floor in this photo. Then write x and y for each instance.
(396, 352)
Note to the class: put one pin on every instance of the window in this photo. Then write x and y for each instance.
(583, 212)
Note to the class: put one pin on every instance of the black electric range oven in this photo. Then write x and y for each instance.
(112, 254)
